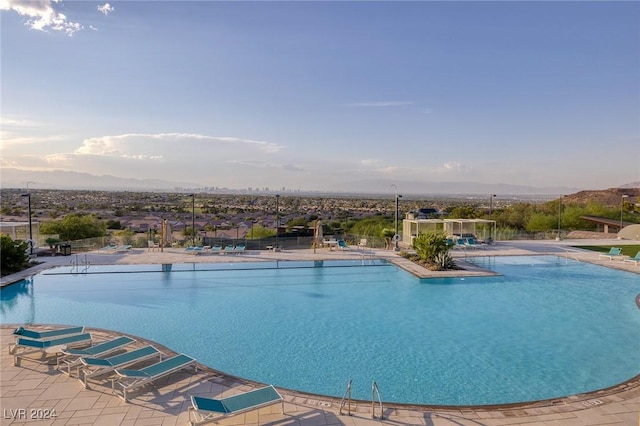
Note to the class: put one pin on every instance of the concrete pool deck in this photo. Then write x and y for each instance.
(40, 387)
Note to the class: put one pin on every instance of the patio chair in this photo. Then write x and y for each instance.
(635, 259)
(71, 357)
(153, 245)
(94, 367)
(240, 248)
(614, 253)
(204, 410)
(216, 249)
(24, 347)
(45, 334)
(228, 249)
(129, 380)
(342, 245)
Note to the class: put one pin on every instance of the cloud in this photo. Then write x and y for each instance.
(41, 15)
(369, 162)
(381, 104)
(106, 8)
(140, 145)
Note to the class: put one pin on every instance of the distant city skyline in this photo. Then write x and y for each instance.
(319, 96)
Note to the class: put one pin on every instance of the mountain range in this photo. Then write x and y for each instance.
(15, 178)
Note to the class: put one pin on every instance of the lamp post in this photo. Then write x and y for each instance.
(193, 219)
(559, 216)
(491, 213)
(621, 209)
(277, 220)
(28, 195)
(396, 237)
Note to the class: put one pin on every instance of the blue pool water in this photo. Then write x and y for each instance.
(544, 328)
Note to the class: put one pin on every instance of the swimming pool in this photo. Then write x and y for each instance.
(546, 327)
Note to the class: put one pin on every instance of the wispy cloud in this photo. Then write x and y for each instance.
(41, 15)
(379, 104)
(106, 8)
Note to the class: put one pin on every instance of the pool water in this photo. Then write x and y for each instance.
(546, 327)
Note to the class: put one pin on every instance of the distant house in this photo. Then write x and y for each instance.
(424, 213)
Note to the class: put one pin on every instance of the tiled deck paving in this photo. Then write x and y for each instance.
(35, 386)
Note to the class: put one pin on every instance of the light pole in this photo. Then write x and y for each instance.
(193, 219)
(621, 209)
(396, 237)
(559, 216)
(28, 195)
(491, 213)
(277, 220)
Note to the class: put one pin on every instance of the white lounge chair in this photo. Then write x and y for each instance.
(71, 357)
(94, 367)
(129, 380)
(635, 259)
(204, 410)
(614, 253)
(24, 346)
(33, 334)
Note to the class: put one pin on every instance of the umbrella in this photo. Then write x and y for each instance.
(167, 237)
(317, 238)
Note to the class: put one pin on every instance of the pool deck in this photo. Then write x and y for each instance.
(40, 387)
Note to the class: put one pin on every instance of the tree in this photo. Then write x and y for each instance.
(75, 227)
(432, 248)
(13, 255)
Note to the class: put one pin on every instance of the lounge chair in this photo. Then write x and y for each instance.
(129, 380)
(71, 357)
(342, 245)
(635, 259)
(471, 243)
(94, 367)
(123, 248)
(240, 248)
(24, 346)
(614, 252)
(216, 249)
(228, 249)
(204, 410)
(194, 249)
(46, 334)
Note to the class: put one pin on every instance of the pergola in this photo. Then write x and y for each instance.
(20, 231)
(451, 227)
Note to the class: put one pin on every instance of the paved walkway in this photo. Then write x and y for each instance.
(33, 390)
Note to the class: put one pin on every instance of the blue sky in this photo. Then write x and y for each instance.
(315, 95)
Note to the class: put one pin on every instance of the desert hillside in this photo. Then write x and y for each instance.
(611, 197)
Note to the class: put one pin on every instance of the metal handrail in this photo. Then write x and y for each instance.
(346, 398)
(375, 391)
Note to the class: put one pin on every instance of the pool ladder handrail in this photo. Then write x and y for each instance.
(346, 398)
(375, 392)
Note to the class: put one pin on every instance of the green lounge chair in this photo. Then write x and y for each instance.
(129, 380)
(94, 367)
(635, 259)
(71, 357)
(614, 252)
(342, 245)
(46, 334)
(228, 249)
(24, 346)
(241, 248)
(204, 410)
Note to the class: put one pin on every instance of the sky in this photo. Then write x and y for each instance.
(317, 95)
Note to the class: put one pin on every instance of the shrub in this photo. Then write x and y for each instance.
(14, 257)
